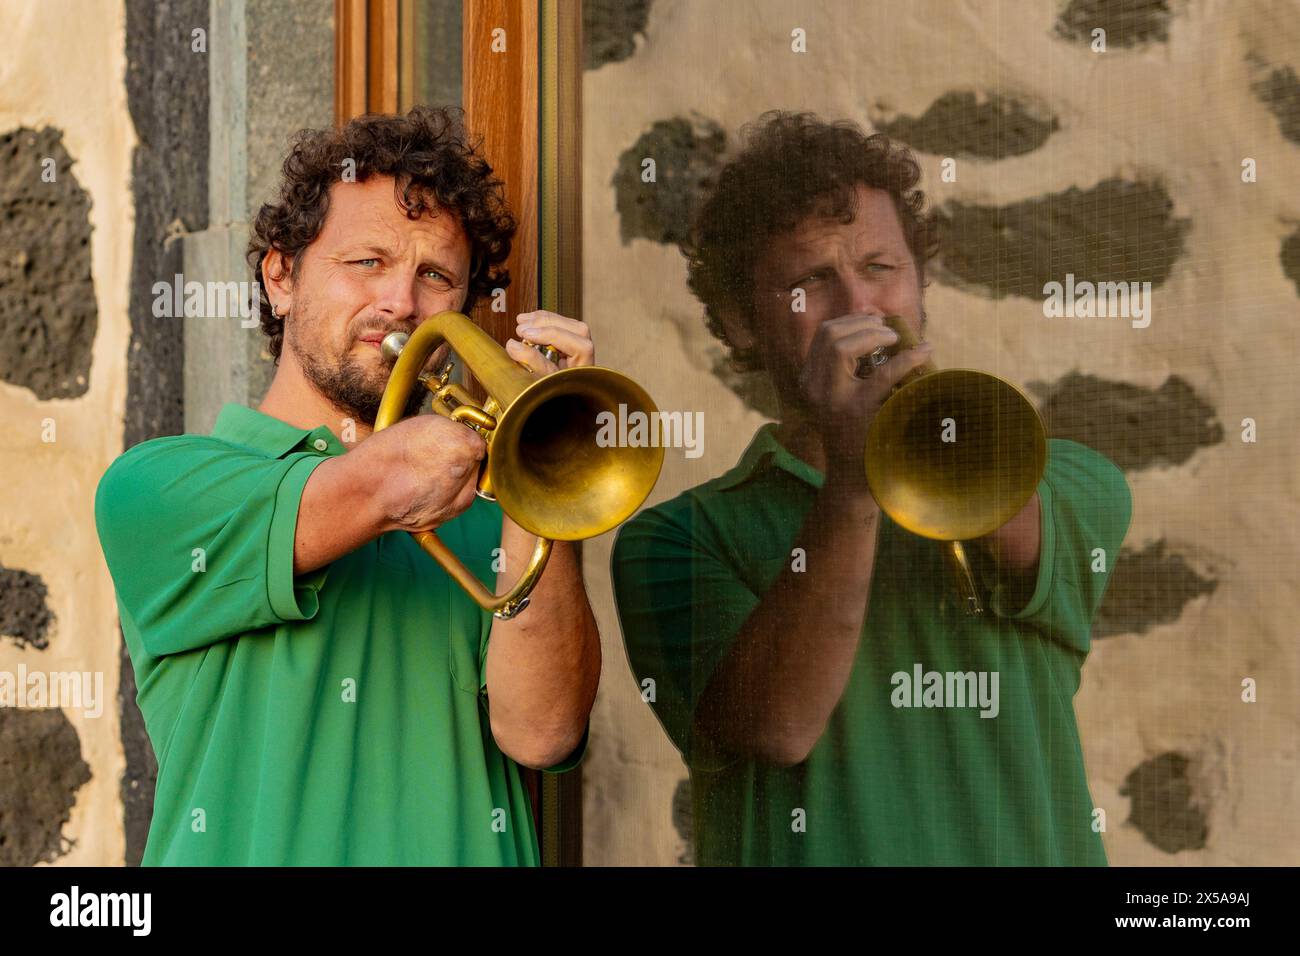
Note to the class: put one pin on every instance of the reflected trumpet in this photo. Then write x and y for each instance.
(544, 465)
(952, 455)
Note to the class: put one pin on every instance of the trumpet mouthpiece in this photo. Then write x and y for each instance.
(392, 345)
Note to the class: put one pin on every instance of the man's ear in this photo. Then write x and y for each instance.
(277, 279)
(734, 324)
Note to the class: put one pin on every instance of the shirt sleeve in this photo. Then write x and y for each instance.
(680, 606)
(199, 536)
(1086, 507)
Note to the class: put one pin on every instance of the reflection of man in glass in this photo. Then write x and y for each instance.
(807, 657)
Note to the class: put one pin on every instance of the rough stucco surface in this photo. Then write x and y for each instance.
(1137, 180)
(60, 768)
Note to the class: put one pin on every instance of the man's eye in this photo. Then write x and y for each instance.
(807, 280)
(434, 274)
(362, 262)
(881, 265)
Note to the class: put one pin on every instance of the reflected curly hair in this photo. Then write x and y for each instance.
(427, 152)
(793, 165)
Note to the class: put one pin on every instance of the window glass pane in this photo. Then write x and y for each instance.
(791, 676)
(429, 53)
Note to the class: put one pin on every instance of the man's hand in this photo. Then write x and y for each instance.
(773, 694)
(432, 463)
(569, 336)
(842, 404)
(428, 468)
(414, 476)
(423, 471)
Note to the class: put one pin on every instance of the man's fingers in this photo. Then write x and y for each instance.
(862, 342)
(904, 362)
(531, 357)
(571, 337)
(544, 320)
(838, 328)
(577, 348)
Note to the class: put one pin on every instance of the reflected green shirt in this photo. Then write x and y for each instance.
(885, 785)
(335, 718)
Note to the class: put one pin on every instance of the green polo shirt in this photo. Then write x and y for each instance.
(888, 783)
(339, 717)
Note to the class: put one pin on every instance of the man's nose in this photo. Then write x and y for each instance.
(396, 294)
(857, 295)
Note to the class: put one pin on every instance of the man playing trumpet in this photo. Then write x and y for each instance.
(316, 688)
(832, 704)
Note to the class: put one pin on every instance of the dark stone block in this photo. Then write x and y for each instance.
(609, 28)
(1117, 231)
(1166, 807)
(41, 771)
(687, 156)
(1290, 256)
(1280, 92)
(1147, 588)
(167, 94)
(1134, 427)
(1127, 23)
(25, 617)
(962, 124)
(48, 313)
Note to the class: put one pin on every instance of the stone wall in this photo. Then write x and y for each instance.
(66, 146)
(104, 191)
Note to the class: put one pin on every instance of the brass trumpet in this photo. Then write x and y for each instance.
(954, 455)
(544, 465)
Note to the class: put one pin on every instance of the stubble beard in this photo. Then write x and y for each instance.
(351, 386)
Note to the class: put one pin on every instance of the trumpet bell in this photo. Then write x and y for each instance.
(549, 471)
(546, 464)
(955, 454)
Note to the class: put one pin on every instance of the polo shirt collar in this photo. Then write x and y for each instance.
(241, 425)
(765, 451)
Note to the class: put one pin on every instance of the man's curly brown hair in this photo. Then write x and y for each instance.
(793, 165)
(429, 155)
